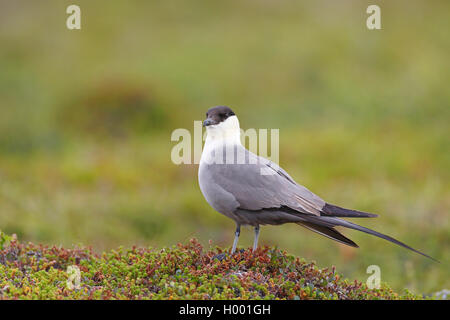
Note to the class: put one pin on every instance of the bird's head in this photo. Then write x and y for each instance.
(222, 123)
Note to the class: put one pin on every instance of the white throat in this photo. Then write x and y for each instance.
(227, 132)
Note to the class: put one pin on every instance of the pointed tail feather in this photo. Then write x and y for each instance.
(329, 222)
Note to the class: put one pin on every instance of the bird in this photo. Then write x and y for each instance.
(254, 191)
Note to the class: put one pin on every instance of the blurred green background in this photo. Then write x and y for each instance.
(86, 118)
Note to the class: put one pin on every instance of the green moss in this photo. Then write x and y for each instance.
(185, 271)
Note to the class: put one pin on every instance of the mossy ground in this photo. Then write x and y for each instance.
(185, 271)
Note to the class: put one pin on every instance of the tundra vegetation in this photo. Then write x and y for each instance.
(184, 271)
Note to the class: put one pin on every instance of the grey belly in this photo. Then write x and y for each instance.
(217, 197)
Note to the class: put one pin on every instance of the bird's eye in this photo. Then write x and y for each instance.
(231, 114)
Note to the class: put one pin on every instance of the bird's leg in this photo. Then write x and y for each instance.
(255, 243)
(236, 238)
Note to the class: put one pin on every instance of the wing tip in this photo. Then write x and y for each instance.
(331, 210)
(329, 232)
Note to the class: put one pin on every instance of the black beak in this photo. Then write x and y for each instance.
(208, 122)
